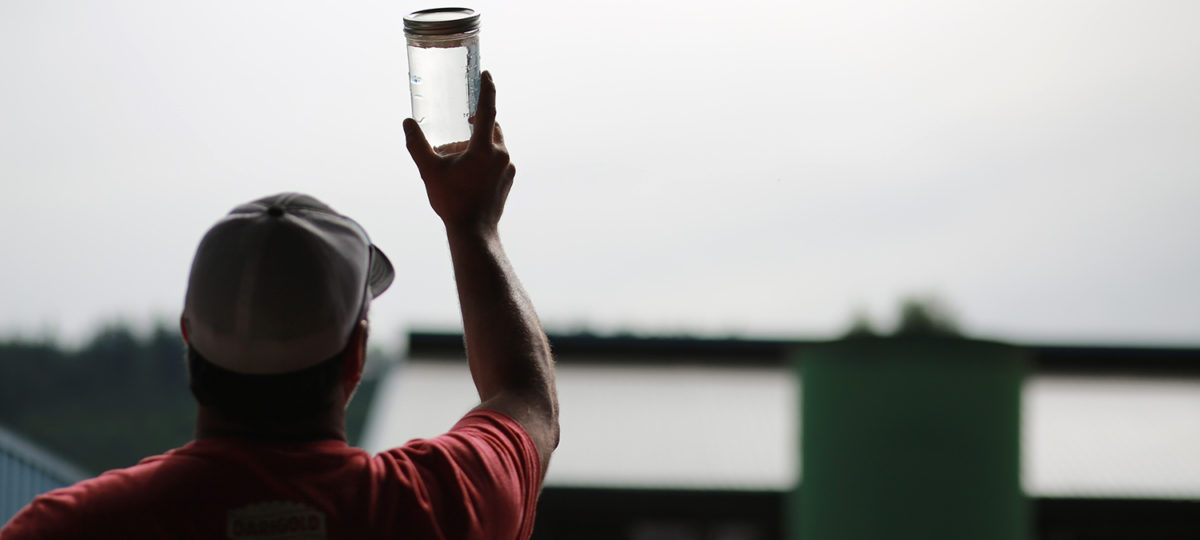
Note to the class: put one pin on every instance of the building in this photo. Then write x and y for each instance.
(680, 438)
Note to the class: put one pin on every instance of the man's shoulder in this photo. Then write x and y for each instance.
(117, 482)
(485, 447)
(98, 500)
(480, 426)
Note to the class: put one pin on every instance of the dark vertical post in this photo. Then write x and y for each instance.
(910, 438)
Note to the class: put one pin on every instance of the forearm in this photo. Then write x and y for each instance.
(506, 347)
(507, 350)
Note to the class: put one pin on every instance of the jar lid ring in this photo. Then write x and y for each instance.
(441, 21)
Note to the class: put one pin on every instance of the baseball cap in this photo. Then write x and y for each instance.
(278, 284)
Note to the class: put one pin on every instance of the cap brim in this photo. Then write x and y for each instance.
(380, 274)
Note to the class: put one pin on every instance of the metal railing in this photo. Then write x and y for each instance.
(27, 471)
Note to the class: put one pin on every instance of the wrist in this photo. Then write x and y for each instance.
(471, 231)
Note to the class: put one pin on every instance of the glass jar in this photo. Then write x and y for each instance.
(443, 71)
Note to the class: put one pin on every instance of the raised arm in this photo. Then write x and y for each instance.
(507, 349)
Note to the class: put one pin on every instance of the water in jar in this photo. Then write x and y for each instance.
(444, 84)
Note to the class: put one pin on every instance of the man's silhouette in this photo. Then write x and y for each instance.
(275, 320)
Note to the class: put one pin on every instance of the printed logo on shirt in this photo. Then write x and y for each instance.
(276, 520)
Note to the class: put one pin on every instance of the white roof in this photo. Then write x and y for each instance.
(691, 427)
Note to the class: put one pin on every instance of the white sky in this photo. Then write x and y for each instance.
(756, 168)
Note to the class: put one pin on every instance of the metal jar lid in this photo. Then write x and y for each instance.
(441, 21)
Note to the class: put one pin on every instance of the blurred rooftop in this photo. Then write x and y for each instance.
(723, 414)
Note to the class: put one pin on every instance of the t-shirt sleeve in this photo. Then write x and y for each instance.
(479, 480)
(47, 516)
(87, 509)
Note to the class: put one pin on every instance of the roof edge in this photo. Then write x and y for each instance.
(626, 349)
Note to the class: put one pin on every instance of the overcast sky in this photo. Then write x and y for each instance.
(721, 168)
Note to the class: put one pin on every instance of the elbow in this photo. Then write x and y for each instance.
(554, 425)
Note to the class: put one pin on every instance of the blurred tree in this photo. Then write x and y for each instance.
(860, 326)
(926, 316)
(919, 316)
(119, 398)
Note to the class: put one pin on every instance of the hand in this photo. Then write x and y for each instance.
(467, 183)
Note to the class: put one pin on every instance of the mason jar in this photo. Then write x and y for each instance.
(443, 71)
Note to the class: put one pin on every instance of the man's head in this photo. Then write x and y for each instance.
(277, 297)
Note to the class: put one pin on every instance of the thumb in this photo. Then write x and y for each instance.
(418, 147)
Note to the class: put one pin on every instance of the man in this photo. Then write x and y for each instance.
(275, 323)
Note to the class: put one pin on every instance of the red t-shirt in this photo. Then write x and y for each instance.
(480, 480)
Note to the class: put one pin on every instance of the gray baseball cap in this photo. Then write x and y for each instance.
(278, 284)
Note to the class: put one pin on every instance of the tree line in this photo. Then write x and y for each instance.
(118, 398)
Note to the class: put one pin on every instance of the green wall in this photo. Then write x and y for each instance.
(910, 438)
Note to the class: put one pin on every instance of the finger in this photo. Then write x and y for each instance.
(498, 135)
(418, 147)
(485, 112)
